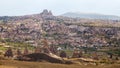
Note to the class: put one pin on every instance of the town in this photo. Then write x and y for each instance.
(62, 36)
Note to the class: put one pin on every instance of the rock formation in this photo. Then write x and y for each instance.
(46, 13)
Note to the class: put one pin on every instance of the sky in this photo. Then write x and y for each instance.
(58, 7)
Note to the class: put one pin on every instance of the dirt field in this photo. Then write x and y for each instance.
(24, 64)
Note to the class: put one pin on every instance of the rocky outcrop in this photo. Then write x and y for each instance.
(43, 57)
(46, 13)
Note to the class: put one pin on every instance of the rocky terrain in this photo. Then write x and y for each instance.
(56, 28)
(45, 40)
(64, 32)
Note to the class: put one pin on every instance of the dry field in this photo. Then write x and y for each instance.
(24, 64)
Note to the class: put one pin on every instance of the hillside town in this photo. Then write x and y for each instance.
(61, 33)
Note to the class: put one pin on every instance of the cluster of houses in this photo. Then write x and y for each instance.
(58, 31)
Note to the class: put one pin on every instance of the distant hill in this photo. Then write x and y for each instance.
(91, 16)
(47, 15)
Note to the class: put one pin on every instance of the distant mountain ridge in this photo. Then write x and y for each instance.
(91, 16)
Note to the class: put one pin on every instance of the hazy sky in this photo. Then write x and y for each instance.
(23, 7)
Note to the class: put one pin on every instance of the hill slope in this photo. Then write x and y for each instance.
(91, 16)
